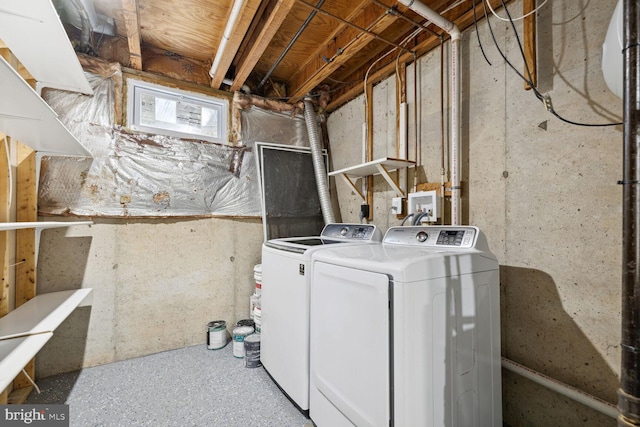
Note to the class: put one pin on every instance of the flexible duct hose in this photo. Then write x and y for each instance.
(318, 162)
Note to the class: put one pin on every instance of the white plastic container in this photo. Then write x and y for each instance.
(239, 335)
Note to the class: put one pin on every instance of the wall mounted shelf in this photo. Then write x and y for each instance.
(15, 353)
(35, 35)
(26, 117)
(375, 167)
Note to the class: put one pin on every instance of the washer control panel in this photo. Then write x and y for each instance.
(433, 236)
(361, 232)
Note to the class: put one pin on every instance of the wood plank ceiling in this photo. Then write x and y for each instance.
(277, 48)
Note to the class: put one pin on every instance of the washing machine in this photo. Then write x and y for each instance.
(406, 333)
(284, 346)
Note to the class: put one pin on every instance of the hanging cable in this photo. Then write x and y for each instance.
(31, 381)
(545, 99)
(518, 18)
(475, 23)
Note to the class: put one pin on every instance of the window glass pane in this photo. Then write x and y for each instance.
(165, 110)
(180, 114)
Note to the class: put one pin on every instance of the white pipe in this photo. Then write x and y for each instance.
(228, 30)
(592, 402)
(453, 31)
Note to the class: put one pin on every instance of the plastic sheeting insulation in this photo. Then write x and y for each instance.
(142, 175)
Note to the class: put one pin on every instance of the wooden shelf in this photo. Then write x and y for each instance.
(43, 313)
(15, 353)
(375, 167)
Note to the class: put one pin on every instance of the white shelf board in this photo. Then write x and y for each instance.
(15, 353)
(26, 117)
(35, 35)
(373, 167)
(42, 313)
(40, 224)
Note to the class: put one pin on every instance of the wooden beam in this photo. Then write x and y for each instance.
(131, 17)
(266, 33)
(346, 44)
(239, 31)
(529, 30)
(26, 210)
(428, 43)
(333, 34)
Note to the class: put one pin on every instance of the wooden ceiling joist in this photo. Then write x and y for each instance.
(247, 13)
(132, 24)
(271, 25)
(336, 53)
(464, 21)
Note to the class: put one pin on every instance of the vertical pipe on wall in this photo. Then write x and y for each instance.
(453, 31)
(629, 391)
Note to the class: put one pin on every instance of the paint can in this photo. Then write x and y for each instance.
(216, 334)
(257, 318)
(257, 276)
(252, 351)
(239, 334)
(246, 322)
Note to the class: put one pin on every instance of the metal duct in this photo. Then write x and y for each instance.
(319, 167)
(629, 391)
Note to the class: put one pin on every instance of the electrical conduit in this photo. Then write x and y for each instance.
(319, 167)
(228, 29)
(453, 31)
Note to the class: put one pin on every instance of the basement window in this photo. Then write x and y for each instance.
(167, 111)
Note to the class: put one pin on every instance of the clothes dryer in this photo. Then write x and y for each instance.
(407, 333)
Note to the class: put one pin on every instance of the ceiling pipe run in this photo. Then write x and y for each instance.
(453, 31)
(228, 30)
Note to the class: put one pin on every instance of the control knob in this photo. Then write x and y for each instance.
(344, 231)
(421, 236)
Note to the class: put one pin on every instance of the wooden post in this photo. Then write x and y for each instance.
(529, 29)
(5, 203)
(401, 97)
(369, 114)
(26, 210)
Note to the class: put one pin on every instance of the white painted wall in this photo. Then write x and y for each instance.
(547, 199)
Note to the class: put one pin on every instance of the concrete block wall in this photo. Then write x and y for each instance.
(156, 284)
(543, 191)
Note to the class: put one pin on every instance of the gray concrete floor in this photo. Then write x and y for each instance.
(191, 386)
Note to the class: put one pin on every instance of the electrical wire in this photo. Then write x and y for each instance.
(514, 19)
(32, 381)
(475, 23)
(545, 99)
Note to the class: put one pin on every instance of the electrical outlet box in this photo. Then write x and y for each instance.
(396, 205)
(424, 202)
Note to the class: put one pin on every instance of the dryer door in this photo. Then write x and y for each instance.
(350, 351)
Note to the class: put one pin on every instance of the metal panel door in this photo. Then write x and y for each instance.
(350, 351)
(284, 343)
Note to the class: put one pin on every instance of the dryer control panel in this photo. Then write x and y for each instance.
(433, 236)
